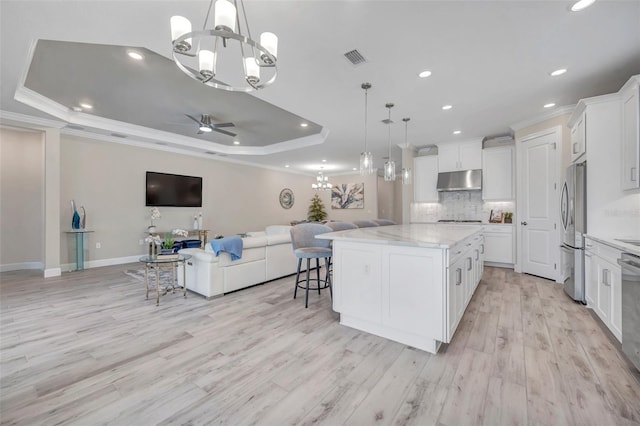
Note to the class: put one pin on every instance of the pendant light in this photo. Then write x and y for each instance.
(390, 165)
(406, 171)
(366, 158)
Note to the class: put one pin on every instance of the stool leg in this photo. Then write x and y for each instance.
(318, 272)
(327, 262)
(306, 300)
(295, 288)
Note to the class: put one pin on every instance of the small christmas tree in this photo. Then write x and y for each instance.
(317, 212)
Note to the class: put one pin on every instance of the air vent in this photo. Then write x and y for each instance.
(355, 57)
(118, 135)
(387, 121)
(71, 126)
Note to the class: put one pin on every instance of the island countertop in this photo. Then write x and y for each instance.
(413, 235)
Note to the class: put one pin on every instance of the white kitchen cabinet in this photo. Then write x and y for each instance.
(631, 134)
(425, 179)
(497, 174)
(460, 156)
(498, 243)
(603, 284)
(578, 137)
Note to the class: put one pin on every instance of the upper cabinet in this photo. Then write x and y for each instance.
(497, 174)
(578, 137)
(425, 179)
(460, 156)
(630, 134)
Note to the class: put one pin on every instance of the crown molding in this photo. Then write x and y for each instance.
(542, 117)
(14, 119)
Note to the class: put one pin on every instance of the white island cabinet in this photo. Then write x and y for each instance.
(407, 283)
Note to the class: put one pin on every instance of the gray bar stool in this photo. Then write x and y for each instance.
(384, 222)
(306, 246)
(365, 223)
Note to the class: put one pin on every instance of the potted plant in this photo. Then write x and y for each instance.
(508, 217)
(316, 213)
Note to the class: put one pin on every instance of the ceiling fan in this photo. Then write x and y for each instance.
(207, 125)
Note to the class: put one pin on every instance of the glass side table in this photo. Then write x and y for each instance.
(79, 233)
(171, 262)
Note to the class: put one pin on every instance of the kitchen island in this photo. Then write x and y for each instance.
(407, 283)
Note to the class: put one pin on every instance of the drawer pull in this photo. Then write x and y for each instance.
(470, 263)
(477, 254)
(189, 263)
(605, 277)
(482, 246)
(458, 276)
(575, 147)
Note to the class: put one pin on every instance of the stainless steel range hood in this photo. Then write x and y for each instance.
(465, 180)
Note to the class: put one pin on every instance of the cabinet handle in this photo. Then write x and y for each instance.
(482, 246)
(458, 276)
(189, 263)
(477, 254)
(605, 281)
(633, 174)
(470, 263)
(575, 147)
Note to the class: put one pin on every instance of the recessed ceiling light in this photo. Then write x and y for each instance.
(581, 5)
(303, 124)
(86, 106)
(456, 132)
(355, 168)
(77, 109)
(424, 74)
(324, 161)
(549, 105)
(236, 142)
(135, 55)
(558, 72)
(286, 165)
(446, 107)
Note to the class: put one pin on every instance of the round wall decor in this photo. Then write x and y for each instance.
(286, 198)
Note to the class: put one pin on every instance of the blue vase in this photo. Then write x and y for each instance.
(75, 222)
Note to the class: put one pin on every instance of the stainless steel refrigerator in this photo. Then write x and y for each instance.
(573, 212)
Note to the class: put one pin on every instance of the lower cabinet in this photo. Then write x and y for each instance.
(498, 240)
(603, 285)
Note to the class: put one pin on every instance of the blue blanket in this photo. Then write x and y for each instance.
(231, 245)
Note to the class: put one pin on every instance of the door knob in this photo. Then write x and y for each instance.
(524, 223)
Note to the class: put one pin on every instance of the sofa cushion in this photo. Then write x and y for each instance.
(277, 229)
(276, 239)
(256, 234)
(251, 242)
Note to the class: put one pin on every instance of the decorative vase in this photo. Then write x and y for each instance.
(75, 221)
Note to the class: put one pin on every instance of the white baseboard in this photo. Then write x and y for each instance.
(22, 265)
(52, 272)
(500, 265)
(103, 262)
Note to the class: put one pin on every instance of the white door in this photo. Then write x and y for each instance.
(540, 251)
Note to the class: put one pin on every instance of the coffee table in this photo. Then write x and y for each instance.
(155, 263)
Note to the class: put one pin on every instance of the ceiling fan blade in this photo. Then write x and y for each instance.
(224, 125)
(224, 132)
(199, 132)
(193, 118)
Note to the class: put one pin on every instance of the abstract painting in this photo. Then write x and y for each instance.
(347, 196)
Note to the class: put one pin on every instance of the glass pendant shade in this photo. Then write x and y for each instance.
(252, 70)
(270, 42)
(390, 171)
(179, 27)
(225, 16)
(406, 176)
(366, 163)
(206, 60)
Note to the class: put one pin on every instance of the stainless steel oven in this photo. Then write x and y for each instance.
(630, 264)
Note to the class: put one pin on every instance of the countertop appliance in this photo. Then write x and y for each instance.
(573, 214)
(630, 265)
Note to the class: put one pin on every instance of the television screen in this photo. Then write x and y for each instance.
(166, 190)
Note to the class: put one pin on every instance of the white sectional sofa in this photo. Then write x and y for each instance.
(266, 255)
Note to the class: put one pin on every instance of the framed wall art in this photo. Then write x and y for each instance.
(347, 196)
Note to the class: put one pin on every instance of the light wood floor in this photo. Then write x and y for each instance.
(87, 348)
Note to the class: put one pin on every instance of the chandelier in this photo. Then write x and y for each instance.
(366, 158)
(224, 51)
(406, 171)
(390, 165)
(322, 183)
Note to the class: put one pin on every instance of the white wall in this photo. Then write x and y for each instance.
(21, 199)
(109, 181)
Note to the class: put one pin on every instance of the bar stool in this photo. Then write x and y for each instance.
(306, 246)
(341, 226)
(384, 222)
(365, 223)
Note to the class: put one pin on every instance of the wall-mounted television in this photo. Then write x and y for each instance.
(167, 190)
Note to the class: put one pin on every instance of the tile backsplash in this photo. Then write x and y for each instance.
(458, 205)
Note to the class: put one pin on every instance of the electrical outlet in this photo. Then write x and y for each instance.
(98, 245)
